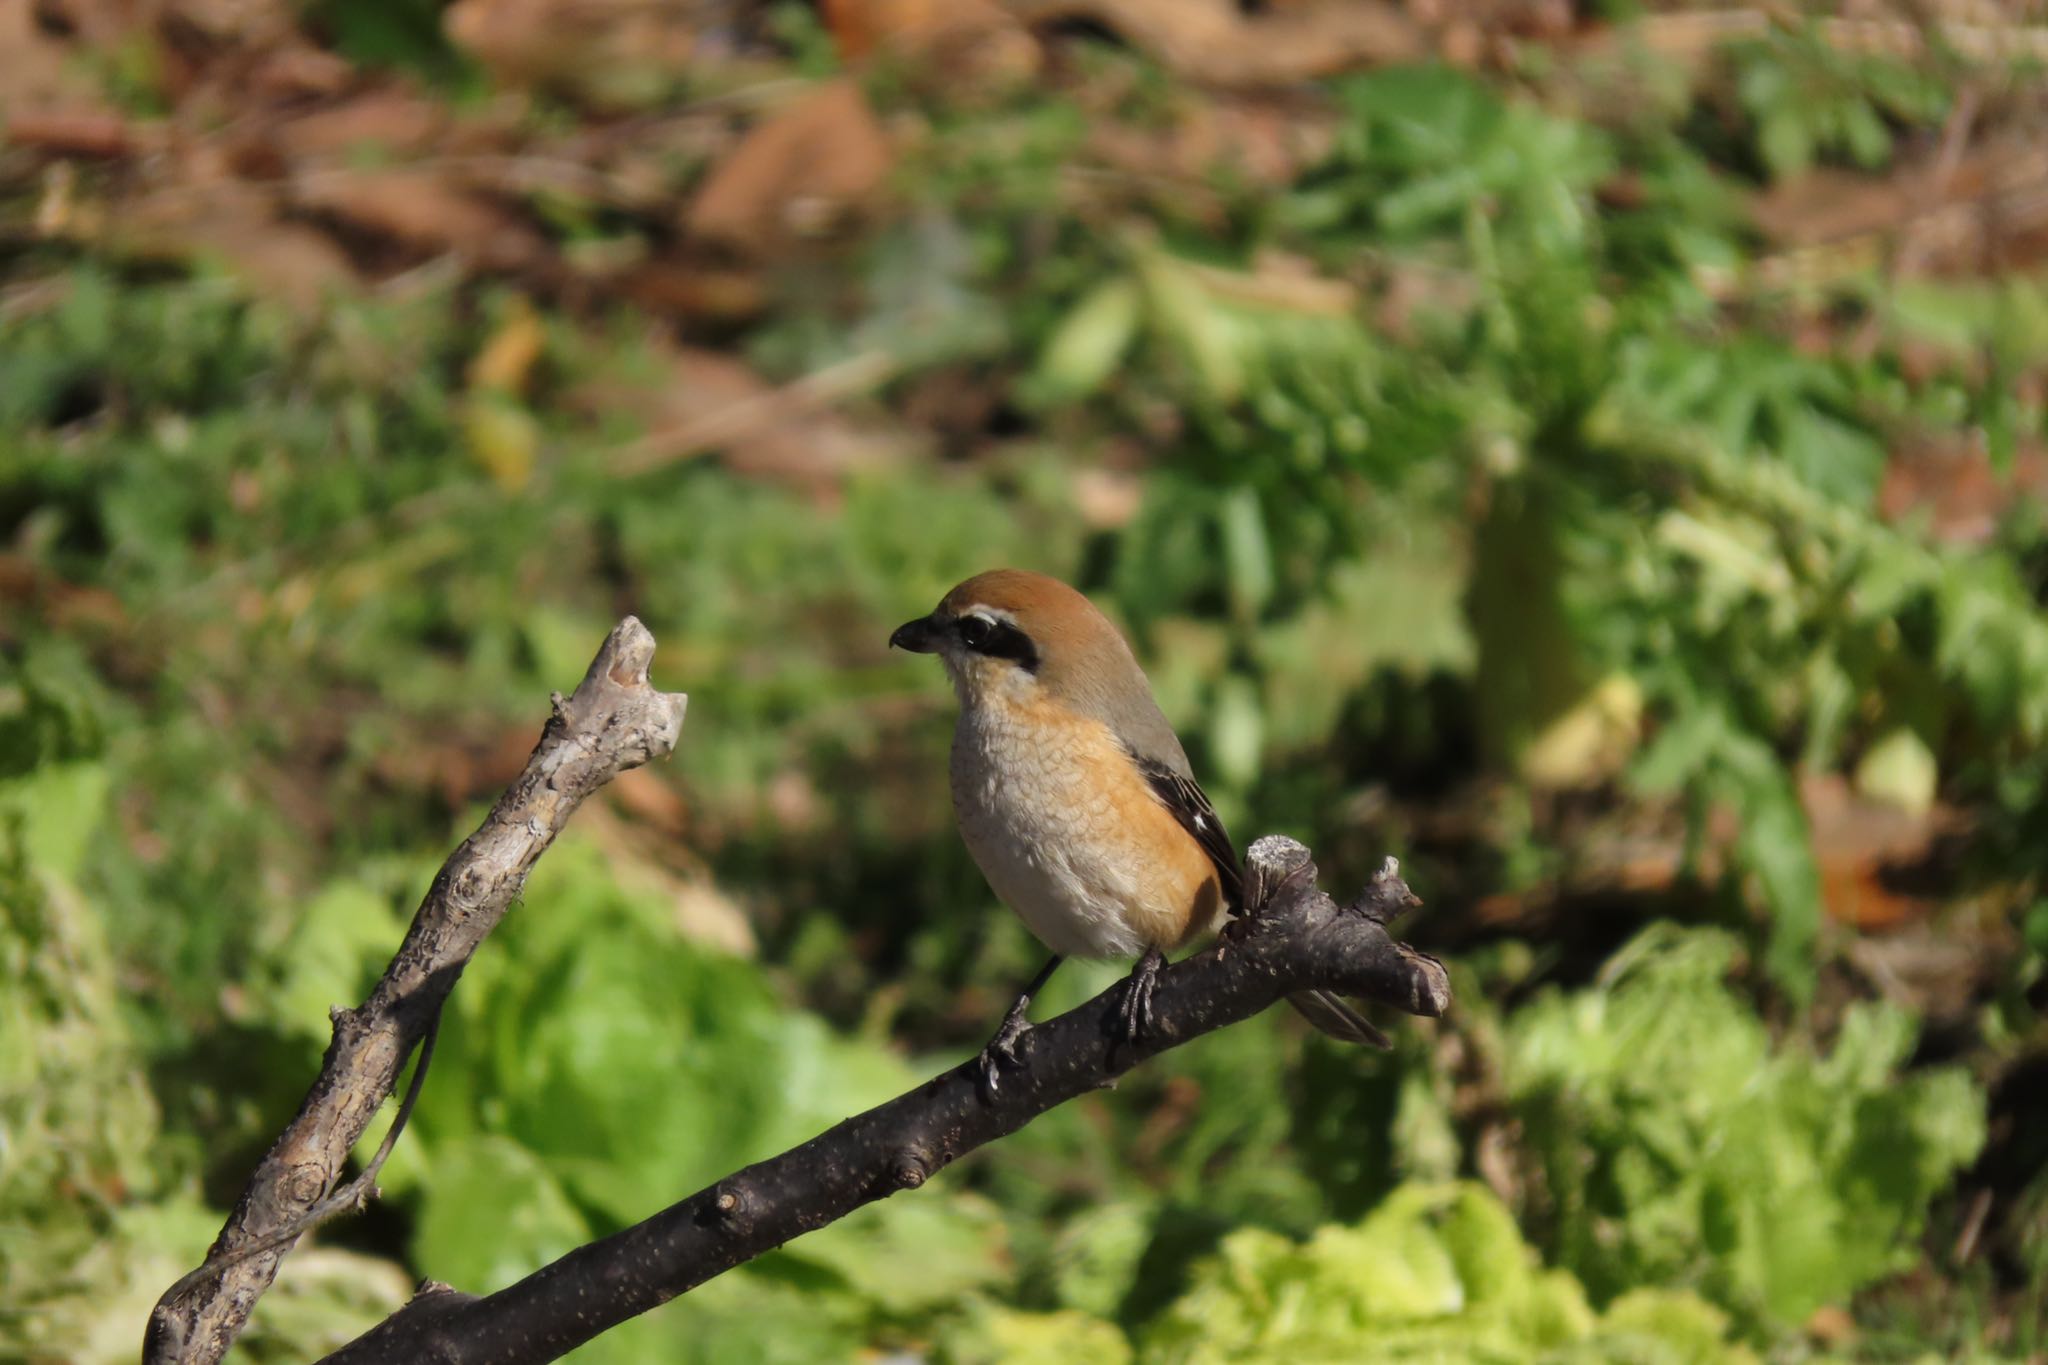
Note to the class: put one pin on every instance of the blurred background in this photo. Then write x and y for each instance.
(1591, 451)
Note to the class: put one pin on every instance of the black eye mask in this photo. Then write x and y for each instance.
(997, 640)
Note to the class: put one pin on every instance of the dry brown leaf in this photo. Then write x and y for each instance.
(1833, 1325)
(1953, 485)
(1695, 35)
(1827, 205)
(651, 801)
(97, 24)
(610, 53)
(771, 440)
(1212, 42)
(284, 260)
(1873, 858)
(243, 23)
(1863, 846)
(37, 71)
(1948, 211)
(389, 120)
(1266, 143)
(62, 605)
(683, 289)
(421, 211)
(860, 26)
(98, 133)
(795, 175)
(300, 72)
(232, 223)
(710, 402)
(965, 45)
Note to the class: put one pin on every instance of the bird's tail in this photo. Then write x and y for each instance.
(1332, 1016)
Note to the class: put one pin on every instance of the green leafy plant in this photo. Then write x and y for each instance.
(1810, 99)
(601, 1064)
(1468, 483)
(98, 1205)
(1437, 1272)
(1677, 1145)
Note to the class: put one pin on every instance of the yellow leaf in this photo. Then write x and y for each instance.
(1590, 740)
(1900, 770)
(506, 360)
(502, 438)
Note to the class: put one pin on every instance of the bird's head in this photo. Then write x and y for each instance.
(1018, 636)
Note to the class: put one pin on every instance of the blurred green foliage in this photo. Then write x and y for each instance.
(1473, 491)
(1678, 1147)
(1437, 1272)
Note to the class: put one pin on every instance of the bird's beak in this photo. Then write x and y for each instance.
(916, 636)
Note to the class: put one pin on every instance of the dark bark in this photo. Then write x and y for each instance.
(1295, 939)
(613, 722)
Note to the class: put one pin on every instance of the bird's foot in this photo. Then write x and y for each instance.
(1133, 1019)
(1015, 1028)
(1001, 1050)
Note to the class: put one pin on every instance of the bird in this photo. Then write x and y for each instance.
(1076, 799)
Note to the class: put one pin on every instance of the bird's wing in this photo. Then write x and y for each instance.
(1179, 794)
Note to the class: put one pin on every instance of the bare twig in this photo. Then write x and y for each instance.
(1296, 938)
(614, 721)
(357, 1194)
(820, 388)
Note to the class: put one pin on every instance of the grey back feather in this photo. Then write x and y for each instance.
(1134, 717)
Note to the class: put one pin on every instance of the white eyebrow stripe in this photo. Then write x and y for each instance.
(993, 615)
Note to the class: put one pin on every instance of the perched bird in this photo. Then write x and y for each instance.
(1076, 798)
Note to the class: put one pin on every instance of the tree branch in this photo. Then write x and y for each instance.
(1295, 938)
(350, 1198)
(613, 721)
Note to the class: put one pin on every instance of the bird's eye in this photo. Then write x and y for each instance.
(997, 640)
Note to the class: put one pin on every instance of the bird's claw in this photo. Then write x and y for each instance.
(1134, 1010)
(1001, 1050)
